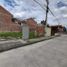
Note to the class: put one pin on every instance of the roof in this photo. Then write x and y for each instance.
(57, 26)
(2, 9)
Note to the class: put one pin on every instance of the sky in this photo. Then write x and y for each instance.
(24, 9)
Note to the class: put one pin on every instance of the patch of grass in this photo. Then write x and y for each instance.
(32, 35)
(10, 34)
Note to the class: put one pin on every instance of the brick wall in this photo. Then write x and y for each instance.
(6, 24)
(40, 30)
(31, 23)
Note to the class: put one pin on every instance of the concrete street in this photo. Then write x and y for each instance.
(49, 53)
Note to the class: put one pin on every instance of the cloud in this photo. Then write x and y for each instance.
(23, 9)
(63, 8)
(65, 16)
(61, 12)
(26, 10)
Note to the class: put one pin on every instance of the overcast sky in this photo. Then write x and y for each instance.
(24, 9)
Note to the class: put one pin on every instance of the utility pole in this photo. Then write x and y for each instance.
(47, 30)
(46, 18)
(47, 10)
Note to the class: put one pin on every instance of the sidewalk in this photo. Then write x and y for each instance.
(11, 44)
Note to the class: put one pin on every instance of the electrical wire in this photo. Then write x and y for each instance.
(48, 9)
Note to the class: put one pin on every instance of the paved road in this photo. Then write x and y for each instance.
(51, 53)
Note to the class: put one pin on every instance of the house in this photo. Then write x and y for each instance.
(6, 23)
(30, 22)
(38, 29)
(56, 29)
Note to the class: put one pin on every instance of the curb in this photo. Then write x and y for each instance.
(17, 45)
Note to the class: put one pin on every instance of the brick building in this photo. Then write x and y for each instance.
(40, 30)
(6, 24)
(33, 26)
(31, 23)
(37, 28)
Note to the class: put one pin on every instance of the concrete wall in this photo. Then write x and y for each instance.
(25, 31)
(48, 31)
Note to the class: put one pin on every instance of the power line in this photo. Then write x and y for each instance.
(48, 8)
(39, 4)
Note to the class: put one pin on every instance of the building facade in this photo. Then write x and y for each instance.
(6, 24)
(40, 30)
